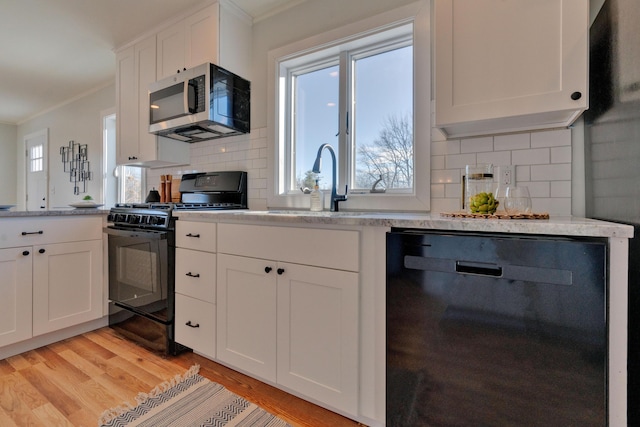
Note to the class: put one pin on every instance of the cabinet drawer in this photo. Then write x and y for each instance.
(41, 231)
(338, 249)
(195, 325)
(200, 236)
(196, 274)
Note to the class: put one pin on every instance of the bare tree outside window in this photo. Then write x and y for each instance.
(389, 156)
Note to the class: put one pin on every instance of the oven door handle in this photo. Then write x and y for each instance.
(155, 235)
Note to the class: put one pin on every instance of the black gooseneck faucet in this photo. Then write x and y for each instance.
(335, 198)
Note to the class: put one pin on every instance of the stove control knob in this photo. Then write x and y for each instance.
(133, 219)
(121, 218)
(110, 217)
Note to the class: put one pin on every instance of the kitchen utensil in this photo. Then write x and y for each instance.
(153, 196)
(167, 189)
(163, 188)
(517, 200)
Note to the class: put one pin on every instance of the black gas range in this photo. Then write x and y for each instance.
(142, 255)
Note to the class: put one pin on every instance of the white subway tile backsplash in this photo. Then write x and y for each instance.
(537, 188)
(495, 158)
(459, 161)
(553, 138)
(537, 156)
(560, 188)
(476, 145)
(448, 176)
(523, 173)
(541, 160)
(556, 172)
(561, 154)
(517, 141)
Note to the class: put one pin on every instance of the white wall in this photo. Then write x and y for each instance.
(543, 160)
(7, 164)
(78, 120)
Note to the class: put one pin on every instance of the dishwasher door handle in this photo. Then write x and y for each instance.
(479, 268)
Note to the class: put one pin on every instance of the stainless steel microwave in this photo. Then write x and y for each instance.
(201, 103)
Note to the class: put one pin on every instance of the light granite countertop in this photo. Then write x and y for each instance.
(559, 226)
(11, 213)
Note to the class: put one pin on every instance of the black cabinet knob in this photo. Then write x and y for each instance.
(268, 269)
(280, 271)
(41, 251)
(190, 274)
(576, 95)
(25, 253)
(191, 325)
(197, 236)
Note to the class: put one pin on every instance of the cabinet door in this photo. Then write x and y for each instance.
(196, 274)
(15, 295)
(188, 43)
(145, 74)
(246, 315)
(170, 50)
(136, 68)
(127, 106)
(318, 334)
(509, 65)
(201, 37)
(196, 325)
(67, 285)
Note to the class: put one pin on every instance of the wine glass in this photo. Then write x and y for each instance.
(517, 200)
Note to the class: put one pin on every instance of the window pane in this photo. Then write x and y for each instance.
(131, 184)
(383, 119)
(315, 122)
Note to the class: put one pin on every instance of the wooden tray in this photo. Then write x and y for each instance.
(497, 215)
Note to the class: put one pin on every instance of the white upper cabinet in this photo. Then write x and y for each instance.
(189, 43)
(509, 65)
(220, 34)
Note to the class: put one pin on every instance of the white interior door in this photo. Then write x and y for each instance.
(36, 145)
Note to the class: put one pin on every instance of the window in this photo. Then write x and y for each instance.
(122, 184)
(36, 158)
(356, 94)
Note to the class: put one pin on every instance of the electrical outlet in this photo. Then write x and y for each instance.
(506, 175)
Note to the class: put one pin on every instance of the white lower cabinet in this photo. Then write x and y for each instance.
(318, 334)
(51, 275)
(246, 321)
(195, 311)
(15, 291)
(291, 323)
(195, 324)
(67, 285)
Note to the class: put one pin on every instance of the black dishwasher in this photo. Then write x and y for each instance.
(495, 330)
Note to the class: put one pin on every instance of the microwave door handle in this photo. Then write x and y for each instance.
(191, 97)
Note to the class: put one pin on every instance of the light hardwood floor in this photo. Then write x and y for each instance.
(70, 383)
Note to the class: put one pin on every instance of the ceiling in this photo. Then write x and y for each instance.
(52, 51)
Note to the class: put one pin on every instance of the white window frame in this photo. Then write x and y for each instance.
(417, 14)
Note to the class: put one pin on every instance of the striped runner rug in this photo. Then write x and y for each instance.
(190, 400)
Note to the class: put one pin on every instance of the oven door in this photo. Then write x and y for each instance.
(138, 270)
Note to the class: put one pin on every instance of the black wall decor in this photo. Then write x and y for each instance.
(75, 162)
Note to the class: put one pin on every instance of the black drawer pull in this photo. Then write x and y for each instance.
(268, 269)
(478, 268)
(24, 233)
(197, 236)
(25, 253)
(191, 325)
(280, 271)
(190, 274)
(41, 251)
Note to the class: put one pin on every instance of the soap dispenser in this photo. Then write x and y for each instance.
(316, 198)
